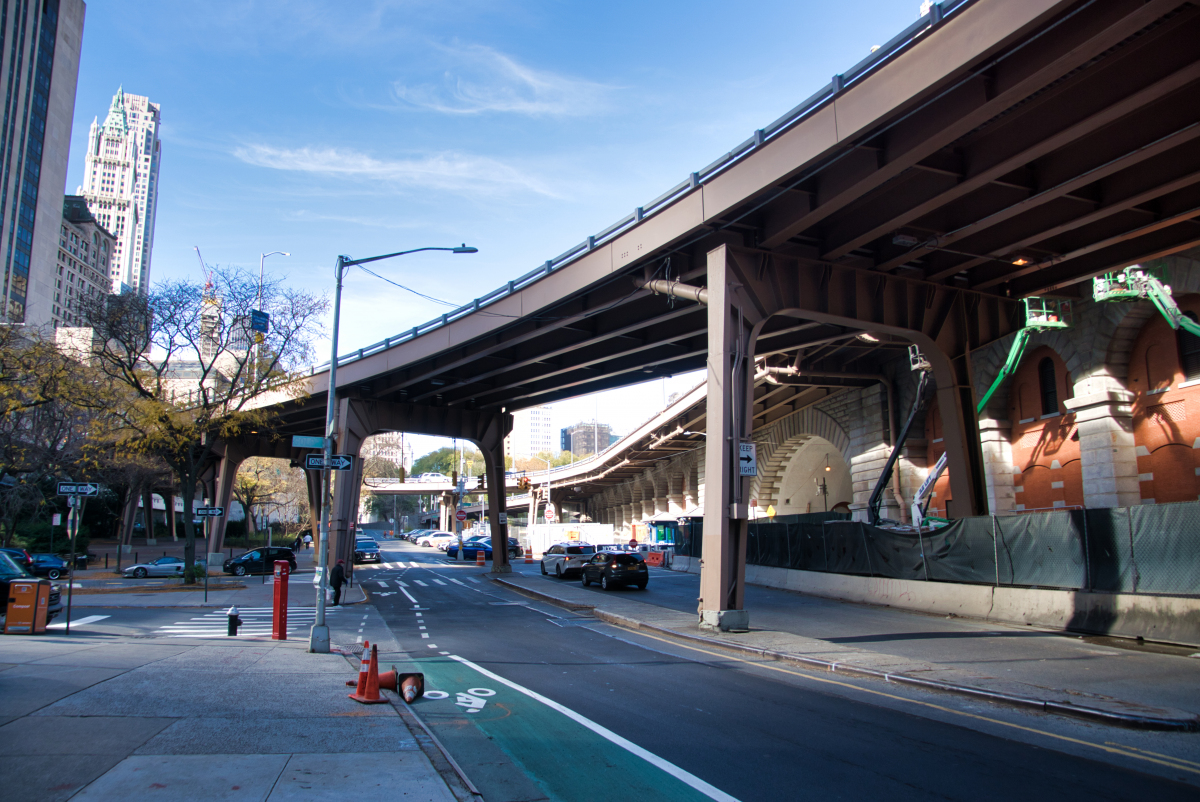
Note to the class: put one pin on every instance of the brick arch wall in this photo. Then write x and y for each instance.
(1166, 412)
(1045, 447)
(779, 441)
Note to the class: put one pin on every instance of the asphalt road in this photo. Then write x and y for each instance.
(541, 703)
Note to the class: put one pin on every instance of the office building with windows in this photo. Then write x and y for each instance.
(39, 68)
(120, 182)
(84, 251)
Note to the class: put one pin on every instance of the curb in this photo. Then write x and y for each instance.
(1127, 720)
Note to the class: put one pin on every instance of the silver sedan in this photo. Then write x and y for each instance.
(163, 566)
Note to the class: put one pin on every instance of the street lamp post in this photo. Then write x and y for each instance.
(262, 257)
(318, 639)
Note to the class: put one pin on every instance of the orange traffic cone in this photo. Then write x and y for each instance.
(370, 694)
(479, 557)
(409, 686)
(529, 555)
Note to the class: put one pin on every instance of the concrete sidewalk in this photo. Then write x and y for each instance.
(1011, 665)
(112, 718)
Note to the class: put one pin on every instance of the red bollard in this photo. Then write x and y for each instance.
(280, 604)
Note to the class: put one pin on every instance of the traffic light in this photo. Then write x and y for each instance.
(483, 480)
(523, 483)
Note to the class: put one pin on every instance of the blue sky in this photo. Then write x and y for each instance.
(367, 127)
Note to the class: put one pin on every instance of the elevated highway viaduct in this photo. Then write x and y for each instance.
(994, 150)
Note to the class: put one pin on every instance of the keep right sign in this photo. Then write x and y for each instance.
(747, 459)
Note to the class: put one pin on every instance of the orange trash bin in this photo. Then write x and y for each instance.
(28, 606)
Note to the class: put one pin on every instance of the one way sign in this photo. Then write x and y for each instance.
(748, 459)
(78, 488)
(337, 462)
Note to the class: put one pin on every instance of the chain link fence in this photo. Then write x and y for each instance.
(1152, 548)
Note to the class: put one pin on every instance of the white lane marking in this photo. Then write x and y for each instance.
(433, 646)
(670, 768)
(455, 581)
(382, 584)
(358, 639)
(422, 584)
(439, 582)
(420, 627)
(425, 635)
(403, 584)
(91, 619)
(409, 595)
(471, 579)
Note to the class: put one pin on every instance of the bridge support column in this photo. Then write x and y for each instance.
(491, 443)
(227, 470)
(731, 322)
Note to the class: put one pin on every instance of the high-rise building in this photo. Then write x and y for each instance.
(531, 434)
(39, 67)
(390, 446)
(84, 251)
(120, 182)
(581, 438)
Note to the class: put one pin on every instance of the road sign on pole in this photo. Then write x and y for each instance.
(461, 515)
(747, 459)
(549, 513)
(259, 321)
(337, 462)
(78, 488)
(209, 512)
(305, 441)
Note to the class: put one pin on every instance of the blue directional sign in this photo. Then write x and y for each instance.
(259, 321)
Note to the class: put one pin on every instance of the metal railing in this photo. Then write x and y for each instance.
(839, 83)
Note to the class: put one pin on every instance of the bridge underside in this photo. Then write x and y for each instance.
(1014, 149)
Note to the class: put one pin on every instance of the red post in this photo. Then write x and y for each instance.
(279, 609)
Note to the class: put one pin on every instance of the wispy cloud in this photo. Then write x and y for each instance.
(449, 171)
(484, 80)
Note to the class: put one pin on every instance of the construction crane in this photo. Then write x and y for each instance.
(1134, 283)
(1041, 314)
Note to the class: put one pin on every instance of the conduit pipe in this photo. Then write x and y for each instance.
(676, 289)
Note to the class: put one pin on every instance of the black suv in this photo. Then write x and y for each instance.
(12, 571)
(259, 561)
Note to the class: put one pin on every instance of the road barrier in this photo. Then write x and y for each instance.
(479, 561)
(368, 690)
(528, 555)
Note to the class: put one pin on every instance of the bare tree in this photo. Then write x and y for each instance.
(193, 368)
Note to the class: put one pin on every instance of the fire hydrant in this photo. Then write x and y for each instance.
(234, 622)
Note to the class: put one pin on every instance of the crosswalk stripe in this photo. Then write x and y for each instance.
(438, 582)
(91, 619)
(422, 584)
(455, 581)
(382, 584)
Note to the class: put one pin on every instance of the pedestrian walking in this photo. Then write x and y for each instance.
(299, 542)
(336, 578)
(308, 541)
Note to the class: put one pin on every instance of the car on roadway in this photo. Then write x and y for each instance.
(614, 569)
(163, 566)
(259, 561)
(367, 551)
(12, 571)
(433, 477)
(432, 539)
(50, 566)
(470, 550)
(452, 545)
(564, 559)
(21, 557)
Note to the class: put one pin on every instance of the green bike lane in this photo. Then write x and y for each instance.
(513, 742)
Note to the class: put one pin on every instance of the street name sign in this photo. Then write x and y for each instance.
(209, 512)
(304, 441)
(259, 321)
(78, 488)
(747, 459)
(337, 462)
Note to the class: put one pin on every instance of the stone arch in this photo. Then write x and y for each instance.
(778, 442)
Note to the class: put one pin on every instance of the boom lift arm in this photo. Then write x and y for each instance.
(1133, 284)
(1041, 314)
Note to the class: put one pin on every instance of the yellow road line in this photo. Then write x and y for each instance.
(1156, 754)
(1108, 746)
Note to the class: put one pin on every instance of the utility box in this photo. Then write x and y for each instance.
(279, 607)
(28, 607)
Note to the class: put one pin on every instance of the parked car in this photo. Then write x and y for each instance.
(366, 551)
(470, 550)
(452, 544)
(21, 557)
(163, 566)
(434, 538)
(259, 561)
(563, 559)
(50, 566)
(11, 570)
(614, 569)
(412, 535)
